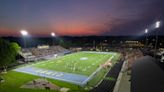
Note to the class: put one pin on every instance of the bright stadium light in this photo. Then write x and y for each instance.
(157, 24)
(24, 32)
(146, 31)
(146, 43)
(53, 34)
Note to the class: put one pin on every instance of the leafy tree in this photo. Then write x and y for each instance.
(8, 52)
(15, 47)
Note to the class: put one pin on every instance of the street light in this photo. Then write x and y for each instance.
(24, 34)
(157, 25)
(146, 32)
(53, 35)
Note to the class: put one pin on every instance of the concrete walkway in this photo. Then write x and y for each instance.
(123, 83)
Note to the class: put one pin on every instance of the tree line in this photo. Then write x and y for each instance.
(8, 52)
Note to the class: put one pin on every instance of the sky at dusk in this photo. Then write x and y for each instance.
(79, 17)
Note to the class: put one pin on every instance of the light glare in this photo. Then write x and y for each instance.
(146, 31)
(24, 32)
(157, 25)
(52, 34)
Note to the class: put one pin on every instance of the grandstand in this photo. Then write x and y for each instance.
(42, 52)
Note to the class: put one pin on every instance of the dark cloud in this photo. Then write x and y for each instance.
(137, 18)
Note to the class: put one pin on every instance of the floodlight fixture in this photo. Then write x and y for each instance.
(157, 24)
(146, 31)
(24, 32)
(53, 34)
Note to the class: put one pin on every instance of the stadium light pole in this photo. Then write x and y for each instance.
(53, 35)
(94, 47)
(146, 33)
(157, 25)
(24, 34)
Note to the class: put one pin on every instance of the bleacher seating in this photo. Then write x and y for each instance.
(108, 85)
(31, 54)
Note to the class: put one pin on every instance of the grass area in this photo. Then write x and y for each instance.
(72, 63)
(79, 63)
(13, 81)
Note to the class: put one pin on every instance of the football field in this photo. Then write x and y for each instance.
(77, 68)
(79, 63)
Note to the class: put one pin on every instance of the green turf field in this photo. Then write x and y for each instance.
(80, 63)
